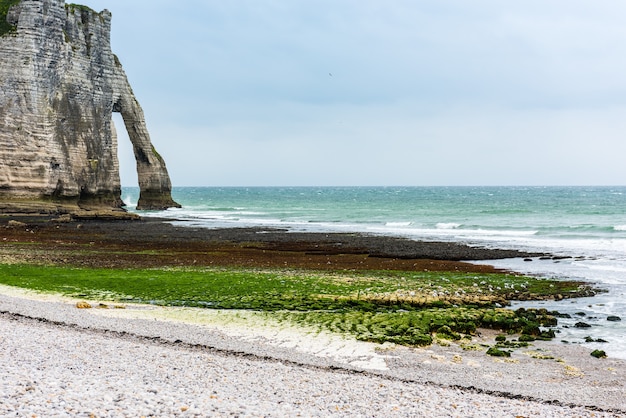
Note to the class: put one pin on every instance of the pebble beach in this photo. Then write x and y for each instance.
(61, 361)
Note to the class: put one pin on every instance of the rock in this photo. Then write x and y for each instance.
(16, 224)
(547, 335)
(104, 215)
(598, 354)
(83, 305)
(613, 318)
(59, 85)
(496, 352)
(65, 218)
(591, 340)
(582, 325)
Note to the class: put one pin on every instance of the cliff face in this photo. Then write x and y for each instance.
(59, 84)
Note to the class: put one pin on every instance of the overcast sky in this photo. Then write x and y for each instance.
(361, 92)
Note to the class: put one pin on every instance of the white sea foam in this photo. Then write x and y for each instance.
(448, 225)
(619, 227)
(129, 202)
(397, 224)
(451, 233)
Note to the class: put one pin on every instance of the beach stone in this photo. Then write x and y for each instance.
(582, 325)
(598, 354)
(16, 224)
(65, 218)
(592, 340)
(613, 318)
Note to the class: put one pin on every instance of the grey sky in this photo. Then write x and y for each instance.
(343, 92)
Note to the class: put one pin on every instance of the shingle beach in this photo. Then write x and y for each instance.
(62, 361)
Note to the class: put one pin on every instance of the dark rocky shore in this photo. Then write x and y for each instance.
(152, 242)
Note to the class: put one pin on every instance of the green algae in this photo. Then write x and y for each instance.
(371, 306)
(497, 352)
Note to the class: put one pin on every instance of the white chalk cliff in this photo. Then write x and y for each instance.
(59, 85)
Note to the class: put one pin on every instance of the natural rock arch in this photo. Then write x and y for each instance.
(59, 85)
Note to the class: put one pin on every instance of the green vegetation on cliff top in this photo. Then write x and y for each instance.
(73, 7)
(5, 5)
(5, 27)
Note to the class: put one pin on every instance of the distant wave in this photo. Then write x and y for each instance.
(398, 224)
(619, 227)
(447, 225)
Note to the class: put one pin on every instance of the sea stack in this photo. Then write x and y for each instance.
(59, 86)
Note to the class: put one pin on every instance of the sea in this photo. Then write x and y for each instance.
(584, 226)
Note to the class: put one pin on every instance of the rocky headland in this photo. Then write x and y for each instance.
(59, 86)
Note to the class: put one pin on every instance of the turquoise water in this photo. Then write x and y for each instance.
(588, 223)
(567, 212)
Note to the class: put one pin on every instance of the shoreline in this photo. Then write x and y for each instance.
(232, 246)
(572, 381)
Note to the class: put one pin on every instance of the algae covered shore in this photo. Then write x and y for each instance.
(264, 322)
(373, 288)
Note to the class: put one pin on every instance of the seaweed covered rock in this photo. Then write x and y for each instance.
(598, 354)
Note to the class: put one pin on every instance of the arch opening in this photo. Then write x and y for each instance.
(125, 154)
